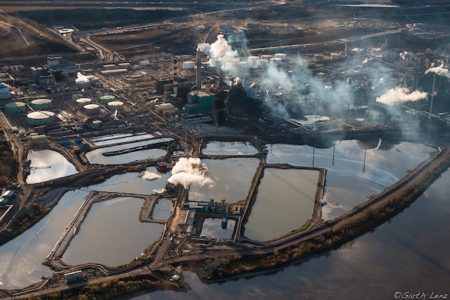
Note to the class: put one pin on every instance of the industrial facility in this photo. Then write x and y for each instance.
(221, 139)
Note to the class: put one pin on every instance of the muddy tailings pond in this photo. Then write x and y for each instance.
(232, 179)
(111, 234)
(285, 202)
(229, 148)
(21, 258)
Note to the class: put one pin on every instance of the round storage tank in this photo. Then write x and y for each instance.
(41, 104)
(91, 109)
(96, 124)
(280, 55)
(84, 101)
(188, 65)
(39, 118)
(15, 108)
(105, 99)
(115, 105)
(5, 93)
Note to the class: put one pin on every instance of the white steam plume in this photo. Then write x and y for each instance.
(189, 171)
(146, 175)
(439, 70)
(400, 95)
(220, 53)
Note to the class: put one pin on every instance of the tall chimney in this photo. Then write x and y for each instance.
(198, 62)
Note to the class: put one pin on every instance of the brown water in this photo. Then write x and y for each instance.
(285, 201)
(112, 234)
(232, 179)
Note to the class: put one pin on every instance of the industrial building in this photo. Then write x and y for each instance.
(199, 102)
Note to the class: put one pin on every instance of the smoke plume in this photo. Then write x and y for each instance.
(400, 95)
(189, 171)
(146, 175)
(439, 70)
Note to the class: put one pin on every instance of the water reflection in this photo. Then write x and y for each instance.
(232, 178)
(47, 165)
(229, 148)
(112, 234)
(409, 253)
(285, 201)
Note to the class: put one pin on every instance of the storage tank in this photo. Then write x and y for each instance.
(5, 93)
(39, 118)
(266, 56)
(15, 108)
(115, 105)
(41, 104)
(96, 124)
(280, 55)
(105, 99)
(84, 101)
(91, 109)
(188, 65)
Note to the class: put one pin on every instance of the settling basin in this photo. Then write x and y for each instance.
(112, 234)
(285, 202)
(232, 179)
(47, 165)
(97, 156)
(229, 148)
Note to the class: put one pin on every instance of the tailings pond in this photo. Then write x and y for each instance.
(348, 183)
(229, 148)
(47, 165)
(21, 258)
(374, 266)
(285, 202)
(232, 179)
(212, 227)
(111, 234)
(97, 156)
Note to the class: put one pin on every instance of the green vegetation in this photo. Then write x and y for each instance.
(8, 164)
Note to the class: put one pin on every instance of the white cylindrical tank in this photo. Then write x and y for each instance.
(39, 118)
(91, 109)
(84, 101)
(188, 65)
(280, 55)
(115, 105)
(41, 104)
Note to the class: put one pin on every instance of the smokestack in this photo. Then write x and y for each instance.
(198, 79)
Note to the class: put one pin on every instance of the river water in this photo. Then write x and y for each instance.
(407, 254)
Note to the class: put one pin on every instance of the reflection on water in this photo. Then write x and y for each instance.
(409, 253)
(112, 234)
(21, 259)
(212, 227)
(285, 201)
(229, 148)
(133, 138)
(163, 209)
(47, 165)
(348, 183)
(232, 179)
(97, 157)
